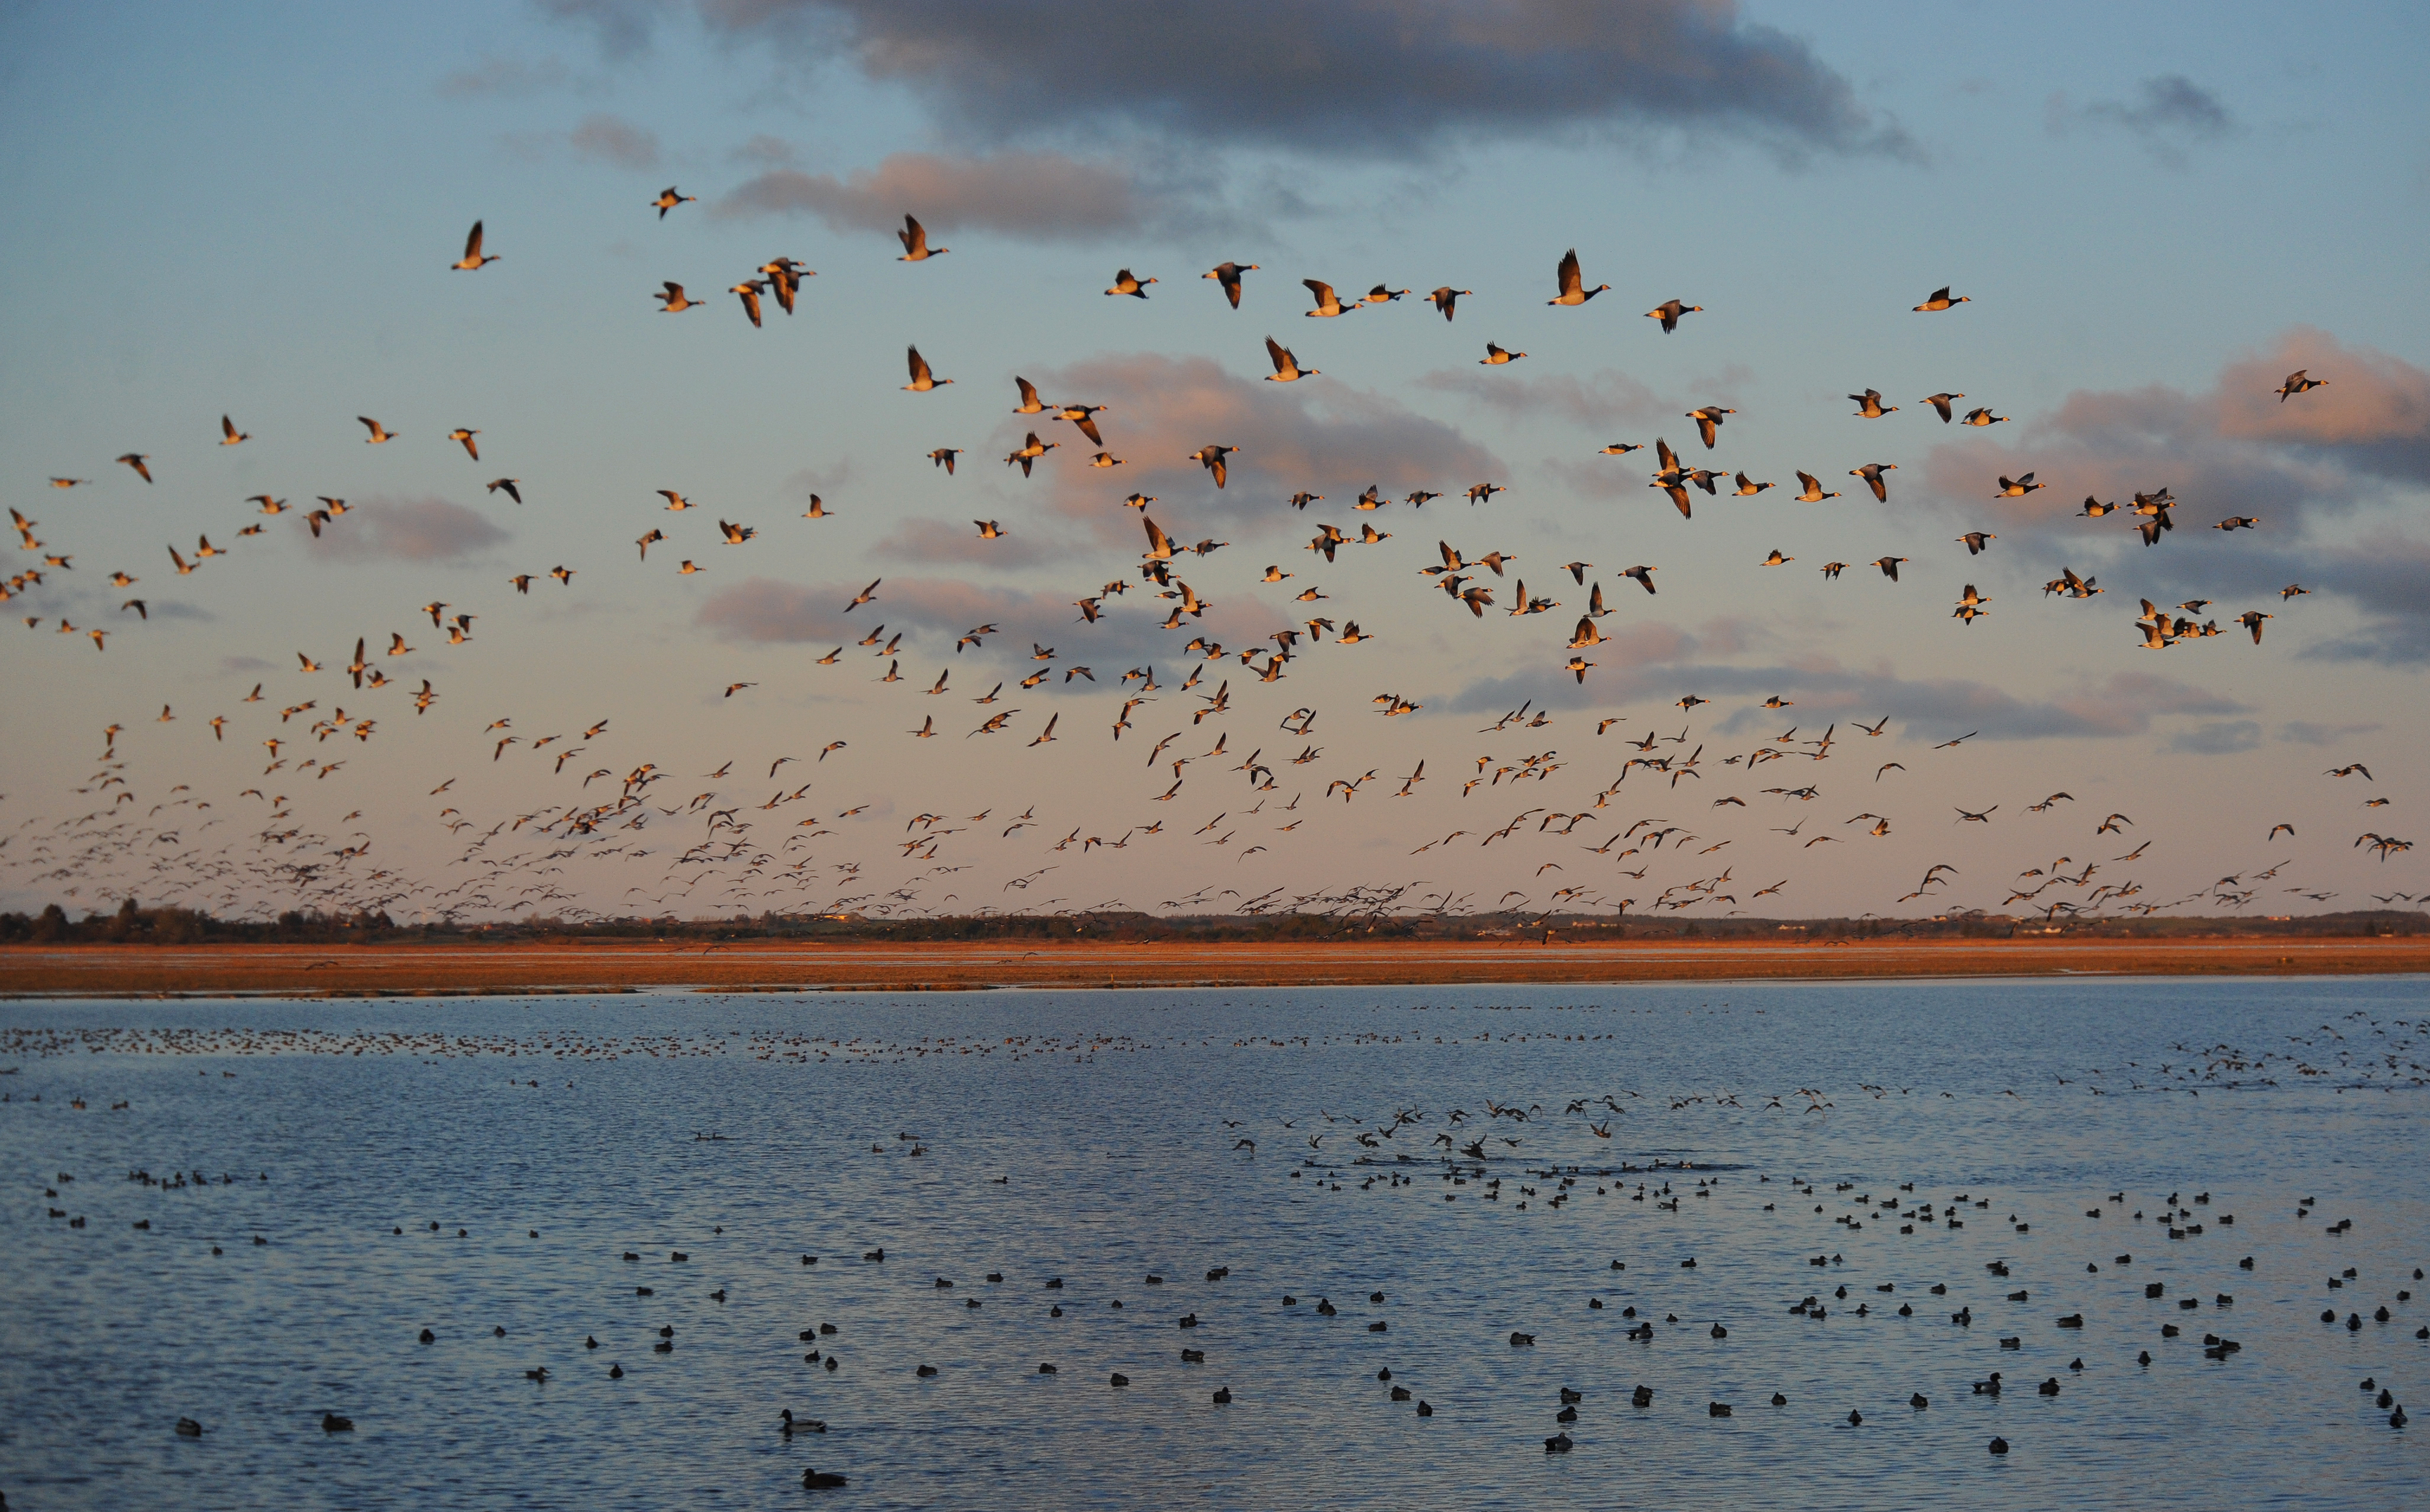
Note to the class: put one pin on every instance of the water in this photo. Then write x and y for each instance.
(1092, 1137)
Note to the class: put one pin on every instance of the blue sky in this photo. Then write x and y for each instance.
(2157, 213)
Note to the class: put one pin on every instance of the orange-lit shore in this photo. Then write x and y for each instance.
(104, 971)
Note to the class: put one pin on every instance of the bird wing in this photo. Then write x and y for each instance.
(1569, 278)
(919, 363)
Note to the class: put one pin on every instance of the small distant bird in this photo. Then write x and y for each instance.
(943, 456)
(1940, 300)
(1447, 298)
(1126, 284)
(136, 461)
(1872, 472)
(1976, 541)
(668, 199)
(464, 437)
(509, 486)
(922, 379)
(675, 299)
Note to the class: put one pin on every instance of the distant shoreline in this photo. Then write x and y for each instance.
(38, 971)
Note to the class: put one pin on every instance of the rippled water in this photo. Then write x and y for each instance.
(1090, 1137)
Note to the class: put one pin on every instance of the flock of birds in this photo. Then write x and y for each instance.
(756, 848)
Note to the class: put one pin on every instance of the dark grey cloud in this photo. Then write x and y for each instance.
(405, 530)
(611, 140)
(2124, 704)
(2216, 738)
(1363, 76)
(1038, 196)
(2308, 732)
(2168, 114)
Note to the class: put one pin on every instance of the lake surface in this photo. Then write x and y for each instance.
(546, 1158)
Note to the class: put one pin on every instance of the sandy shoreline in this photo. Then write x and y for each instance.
(570, 966)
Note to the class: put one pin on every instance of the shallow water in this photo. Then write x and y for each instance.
(1090, 1137)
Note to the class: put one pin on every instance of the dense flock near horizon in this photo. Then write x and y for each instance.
(1658, 818)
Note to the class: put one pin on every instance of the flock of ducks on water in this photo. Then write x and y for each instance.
(734, 860)
(2051, 1287)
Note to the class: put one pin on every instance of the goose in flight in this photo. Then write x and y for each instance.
(2297, 383)
(1622, 448)
(1985, 417)
(1748, 488)
(1940, 300)
(464, 437)
(1228, 276)
(943, 456)
(668, 199)
(1085, 416)
(1940, 402)
(229, 434)
(1287, 368)
(2252, 620)
(1574, 289)
(2291, 589)
(1327, 306)
(379, 433)
(1975, 540)
(1872, 472)
(1213, 457)
(1870, 406)
(1029, 452)
(1447, 298)
(136, 461)
(735, 536)
(1645, 577)
(989, 530)
(472, 261)
(510, 485)
(1889, 566)
(1775, 559)
(674, 299)
(2239, 522)
(1669, 311)
(1494, 356)
(1030, 404)
(749, 292)
(1126, 284)
(864, 596)
(914, 237)
(922, 379)
(1708, 420)
(2018, 488)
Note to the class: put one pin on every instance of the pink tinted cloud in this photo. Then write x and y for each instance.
(405, 530)
(1315, 436)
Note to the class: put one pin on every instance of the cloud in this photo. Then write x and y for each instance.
(1609, 397)
(1035, 196)
(502, 78)
(405, 530)
(1395, 80)
(608, 138)
(2218, 738)
(2229, 451)
(1315, 436)
(2168, 114)
(766, 611)
(2305, 732)
(1653, 662)
(926, 541)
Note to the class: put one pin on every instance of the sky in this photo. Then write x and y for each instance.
(2155, 214)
